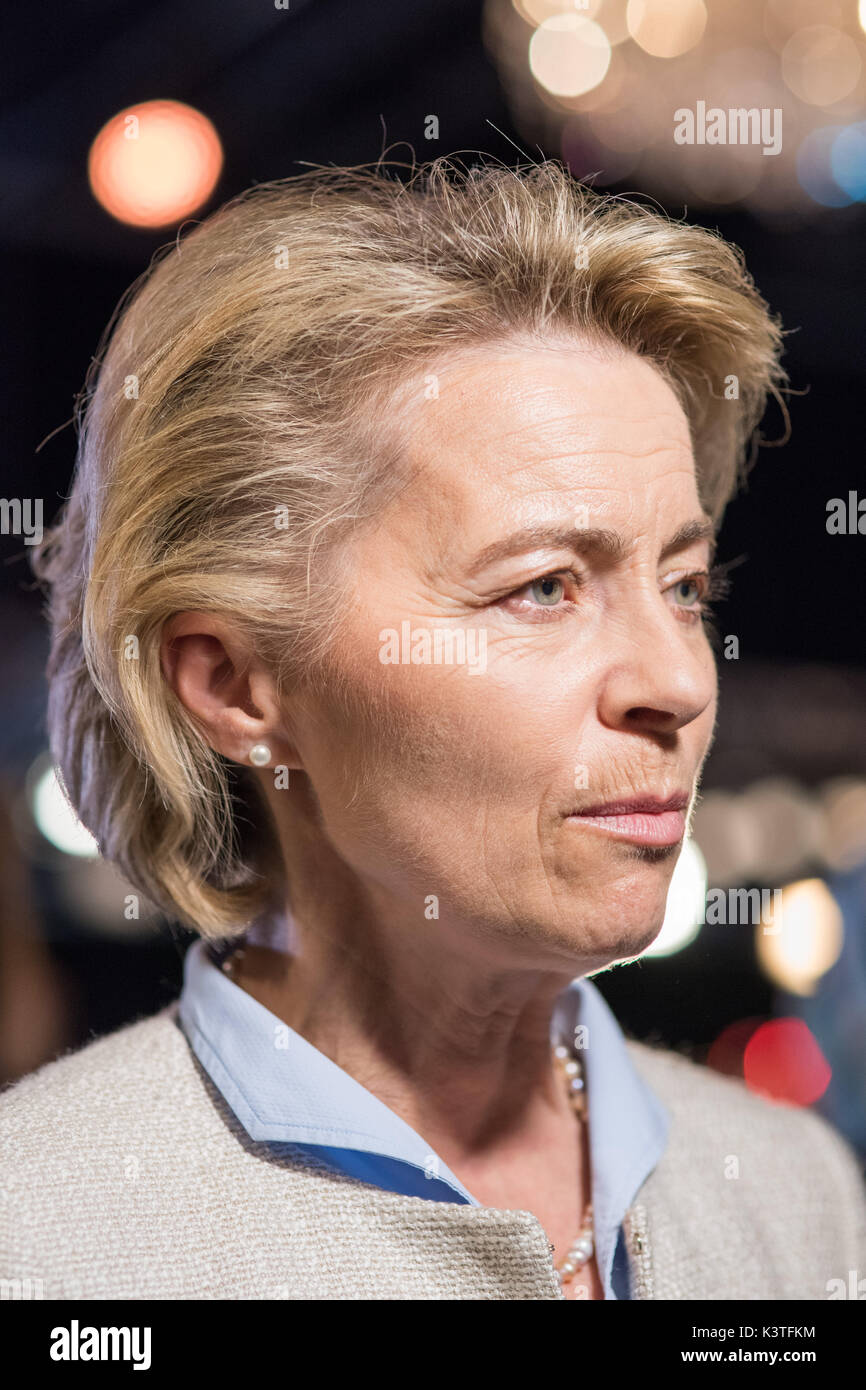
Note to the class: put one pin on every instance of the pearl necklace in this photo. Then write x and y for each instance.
(581, 1250)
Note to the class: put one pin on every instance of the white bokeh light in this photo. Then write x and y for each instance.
(684, 913)
(569, 55)
(55, 818)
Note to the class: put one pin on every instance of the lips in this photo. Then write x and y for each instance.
(643, 820)
(648, 805)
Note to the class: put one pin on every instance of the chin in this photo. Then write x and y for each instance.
(595, 940)
(621, 922)
(618, 947)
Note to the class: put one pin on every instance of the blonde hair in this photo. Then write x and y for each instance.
(230, 433)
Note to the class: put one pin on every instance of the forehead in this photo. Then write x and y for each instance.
(512, 423)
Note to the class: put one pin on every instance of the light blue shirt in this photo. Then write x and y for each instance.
(285, 1091)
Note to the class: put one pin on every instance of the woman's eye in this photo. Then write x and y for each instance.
(687, 592)
(544, 598)
(552, 595)
(547, 591)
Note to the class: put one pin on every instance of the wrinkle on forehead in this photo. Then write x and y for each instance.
(528, 418)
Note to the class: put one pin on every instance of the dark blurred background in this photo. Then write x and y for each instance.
(337, 82)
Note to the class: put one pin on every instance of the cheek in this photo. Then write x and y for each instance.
(419, 754)
(704, 725)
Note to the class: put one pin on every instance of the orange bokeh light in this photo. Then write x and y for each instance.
(155, 163)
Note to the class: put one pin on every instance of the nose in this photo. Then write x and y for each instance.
(661, 676)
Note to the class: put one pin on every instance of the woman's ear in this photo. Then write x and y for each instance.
(227, 689)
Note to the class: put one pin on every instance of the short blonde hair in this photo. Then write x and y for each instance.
(227, 440)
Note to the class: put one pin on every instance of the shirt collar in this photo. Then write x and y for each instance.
(282, 1089)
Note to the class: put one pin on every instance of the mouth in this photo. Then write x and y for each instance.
(642, 820)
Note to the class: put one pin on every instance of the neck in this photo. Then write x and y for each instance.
(423, 1012)
(461, 1057)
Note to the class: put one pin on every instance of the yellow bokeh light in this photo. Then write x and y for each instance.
(801, 936)
(612, 18)
(537, 11)
(782, 18)
(152, 165)
(666, 28)
(821, 65)
(569, 55)
(844, 825)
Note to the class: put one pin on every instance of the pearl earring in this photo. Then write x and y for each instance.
(260, 754)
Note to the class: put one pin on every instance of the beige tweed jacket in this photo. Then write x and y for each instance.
(123, 1174)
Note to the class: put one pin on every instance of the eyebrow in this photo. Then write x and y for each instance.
(592, 541)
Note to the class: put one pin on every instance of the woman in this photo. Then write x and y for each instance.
(382, 658)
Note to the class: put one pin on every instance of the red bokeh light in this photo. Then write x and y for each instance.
(726, 1053)
(783, 1061)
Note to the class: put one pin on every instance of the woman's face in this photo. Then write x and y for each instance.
(586, 677)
